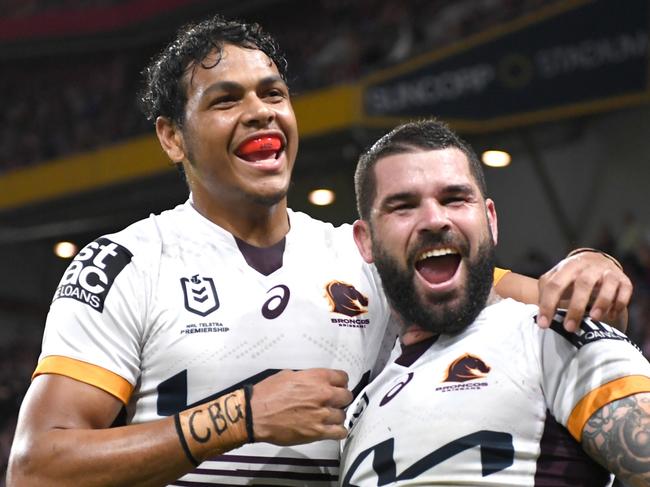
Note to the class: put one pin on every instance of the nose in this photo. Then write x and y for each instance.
(257, 112)
(433, 217)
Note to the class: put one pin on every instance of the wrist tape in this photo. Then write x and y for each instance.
(215, 427)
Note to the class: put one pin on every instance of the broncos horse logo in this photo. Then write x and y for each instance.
(345, 299)
(466, 367)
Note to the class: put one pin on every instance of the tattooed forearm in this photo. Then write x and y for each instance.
(618, 437)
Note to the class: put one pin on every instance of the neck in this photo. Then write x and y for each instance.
(413, 334)
(257, 224)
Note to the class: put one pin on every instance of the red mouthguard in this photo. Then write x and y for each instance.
(261, 144)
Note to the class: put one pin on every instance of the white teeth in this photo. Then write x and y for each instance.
(438, 253)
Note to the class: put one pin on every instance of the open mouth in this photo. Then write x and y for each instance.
(437, 266)
(268, 147)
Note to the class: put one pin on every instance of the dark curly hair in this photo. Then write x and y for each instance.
(164, 91)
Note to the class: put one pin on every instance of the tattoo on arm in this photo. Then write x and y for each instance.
(618, 437)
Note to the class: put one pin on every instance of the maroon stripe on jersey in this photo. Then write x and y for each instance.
(301, 462)
(562, 461)
(410, 353)
(192, 483)
(264, 260)
(268, 474)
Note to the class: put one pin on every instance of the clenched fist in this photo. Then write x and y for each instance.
(291, 408)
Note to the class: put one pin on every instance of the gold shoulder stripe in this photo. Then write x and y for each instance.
(498, 274)
(84, 372)
(596, 399)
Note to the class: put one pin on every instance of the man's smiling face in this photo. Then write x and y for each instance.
(431, 235)
(240, 136)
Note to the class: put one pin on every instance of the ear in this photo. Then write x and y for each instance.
(171, 139)
(361, 233)
(491, 213)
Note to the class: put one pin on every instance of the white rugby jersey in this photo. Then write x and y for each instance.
(501, 404)
(168, 313)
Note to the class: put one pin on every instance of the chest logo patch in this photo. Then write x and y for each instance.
(200, 295)
(466, 367)
(345, 299)
(462, 374)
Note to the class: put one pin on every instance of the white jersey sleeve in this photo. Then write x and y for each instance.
(95, 327)
(585, 370)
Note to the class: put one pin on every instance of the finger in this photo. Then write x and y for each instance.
(580, 297)
(605, 296)
(623, 296)
(337, 377)
(334, 416)
(333, 432)
(551, 287)
(339, 398)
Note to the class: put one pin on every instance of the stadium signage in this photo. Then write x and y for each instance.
(594, 51)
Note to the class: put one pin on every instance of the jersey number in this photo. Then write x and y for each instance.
(497, 453)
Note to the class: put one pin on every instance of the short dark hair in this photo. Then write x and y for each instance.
(164, 91)
(421, 135)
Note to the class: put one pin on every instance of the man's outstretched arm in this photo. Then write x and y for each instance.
(63, 436)
(585, 282)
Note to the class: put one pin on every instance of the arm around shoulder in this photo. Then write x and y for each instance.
(585, 281)
(518, 287)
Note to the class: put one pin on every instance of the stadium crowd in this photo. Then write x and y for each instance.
(55, 106)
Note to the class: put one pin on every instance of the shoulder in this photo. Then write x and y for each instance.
(146, 237)
(589, 331)
(508, 313)
(303, 221)
(337, 238)
(139, 245)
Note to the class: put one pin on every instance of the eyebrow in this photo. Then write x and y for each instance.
(391, 199)
(458, 188)
(233, 86)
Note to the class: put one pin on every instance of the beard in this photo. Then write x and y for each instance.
(268, 199)
(444, 316)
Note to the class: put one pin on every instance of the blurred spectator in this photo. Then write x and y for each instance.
(27, 8)
(630, 236)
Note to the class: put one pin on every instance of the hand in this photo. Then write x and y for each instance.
(583, 279)
(291, 408)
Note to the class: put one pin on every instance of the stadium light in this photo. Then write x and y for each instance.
(65, 250)
(322, 197)
(496, 158)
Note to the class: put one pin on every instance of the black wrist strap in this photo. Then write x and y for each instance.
(181, 437)
(248, 395)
